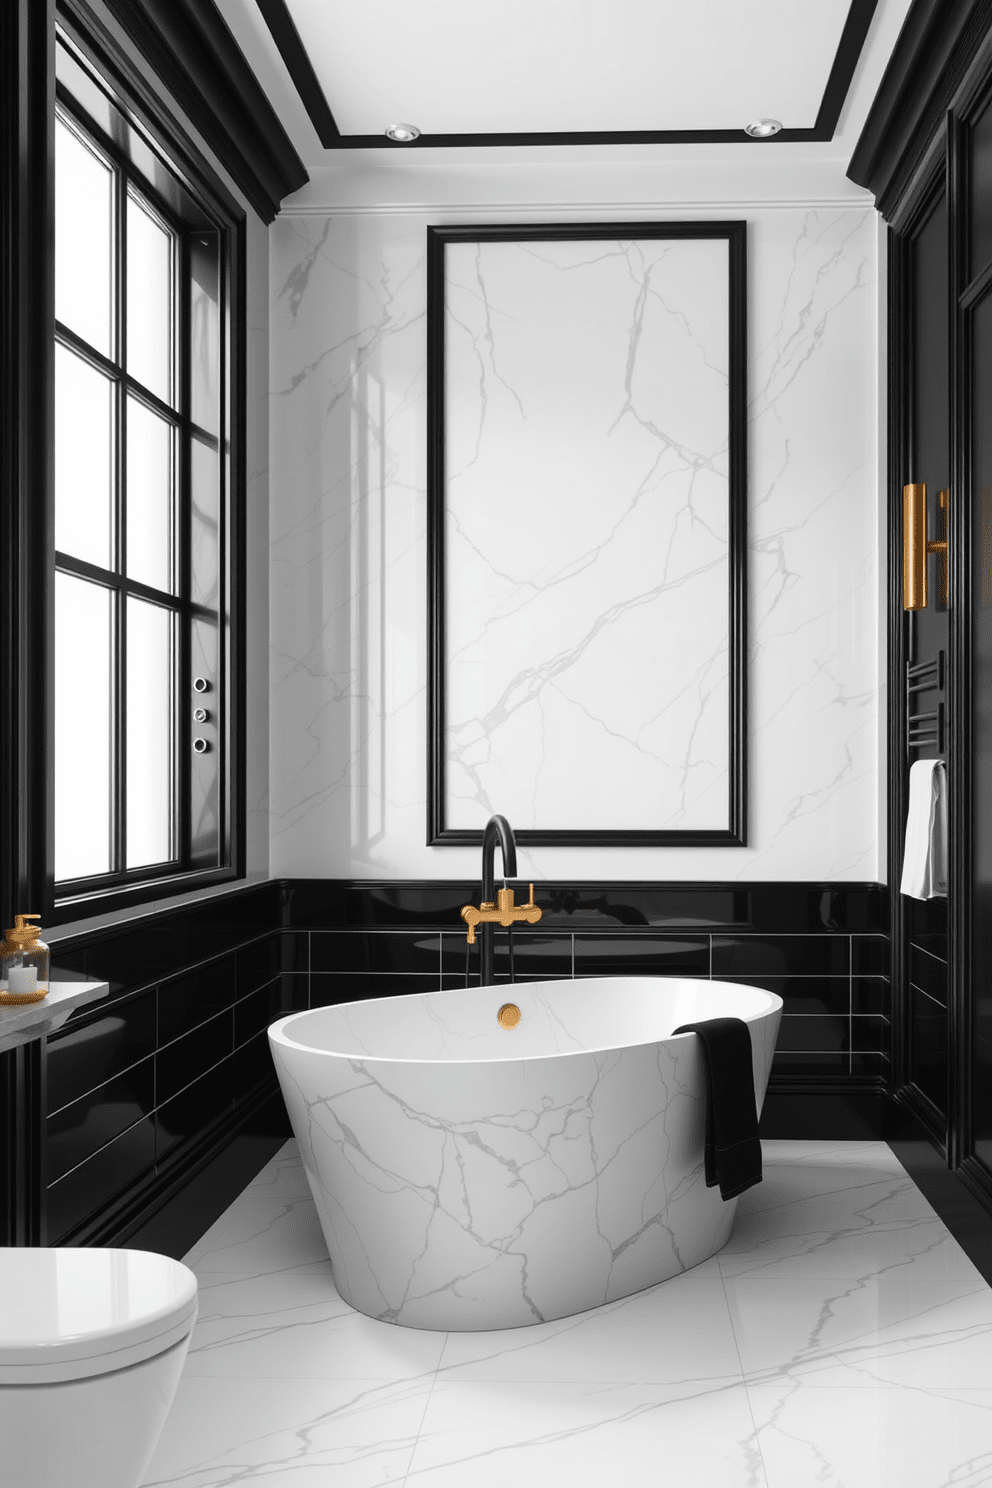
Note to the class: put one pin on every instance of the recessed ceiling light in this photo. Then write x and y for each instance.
(403, 134)
(762, 128)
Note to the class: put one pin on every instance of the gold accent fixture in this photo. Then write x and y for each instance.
(508, 1015)
(23, 937)
(916, 547)
(504, 912)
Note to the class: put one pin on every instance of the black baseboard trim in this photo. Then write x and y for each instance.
(828, 1114)
(175, 1204)
(959, 1203)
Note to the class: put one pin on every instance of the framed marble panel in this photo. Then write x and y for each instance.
(586, 531)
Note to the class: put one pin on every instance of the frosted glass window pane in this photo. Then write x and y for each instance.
(150, 296)
(84, 207)
(149, 734)
(83, 691)
(150, 508)
(83, 460)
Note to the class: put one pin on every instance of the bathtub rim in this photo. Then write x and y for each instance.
(277, 1035)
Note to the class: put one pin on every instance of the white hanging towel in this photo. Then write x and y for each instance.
(924, 869)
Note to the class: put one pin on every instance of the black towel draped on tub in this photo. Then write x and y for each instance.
(733, 1152)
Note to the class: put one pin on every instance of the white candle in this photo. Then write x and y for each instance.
(23, 980)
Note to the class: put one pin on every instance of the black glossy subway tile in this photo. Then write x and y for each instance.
(929, 974)
(926, 921)
(375, 951)
(829, 996)
(252, 1064)
(642, 955)
(808, 1033)
(254, 1013)
(189, 1057)
(186, 1002)
(781, 955)
(294, 950)
(87, 1189)
(68, 963)
(451, 981)
(866, 1065)
(201, 1102)
(871, 995)
(534, 956)
(928, 1047)
(823, 1064)
(257, 963)
(870, 1035)
(135, 958)
(295, 990)
(870, 955)
(770, 907)
(359, 987)
(77, 1131)
(90, 1052)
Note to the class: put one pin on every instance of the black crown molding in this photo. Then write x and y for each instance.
(287, 39)
(188, 45)
(937, 46)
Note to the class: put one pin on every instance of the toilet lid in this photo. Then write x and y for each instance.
(68, 1313)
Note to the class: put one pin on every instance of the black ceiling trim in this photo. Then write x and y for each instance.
(189, 47)
(287, 39)
(852, 39)
(294, 54)
(937, 45)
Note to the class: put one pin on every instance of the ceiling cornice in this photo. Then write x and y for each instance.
(188, 45)
(937, 46)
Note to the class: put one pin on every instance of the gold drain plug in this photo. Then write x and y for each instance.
(508, 1015)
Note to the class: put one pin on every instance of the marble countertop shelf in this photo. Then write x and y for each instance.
(19, 1025)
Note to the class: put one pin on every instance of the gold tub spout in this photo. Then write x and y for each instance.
(504, 912)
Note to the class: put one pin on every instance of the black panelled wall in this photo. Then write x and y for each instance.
(143, 1087)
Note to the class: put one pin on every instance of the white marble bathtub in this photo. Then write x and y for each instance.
(467, 1176)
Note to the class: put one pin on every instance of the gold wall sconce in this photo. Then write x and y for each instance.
(916, 547)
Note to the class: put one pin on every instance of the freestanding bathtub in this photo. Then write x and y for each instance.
(469, 1176)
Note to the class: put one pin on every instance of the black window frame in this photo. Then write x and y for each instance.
(152, 155)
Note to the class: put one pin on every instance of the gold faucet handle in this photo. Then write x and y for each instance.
(471, 917)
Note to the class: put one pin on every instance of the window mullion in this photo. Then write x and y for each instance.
(120, 628)
(182, 815)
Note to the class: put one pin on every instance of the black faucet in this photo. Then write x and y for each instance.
(498, 829)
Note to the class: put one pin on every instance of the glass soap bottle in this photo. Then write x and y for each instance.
(24, 963)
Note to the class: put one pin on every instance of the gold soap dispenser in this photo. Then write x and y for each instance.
(24, 963)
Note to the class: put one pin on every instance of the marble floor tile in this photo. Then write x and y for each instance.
(841, 1340)
(293, 1324)
(586, 1436)
(840, 1216)
(289, 1433)
(873, 1438)
(878, 1332)
(677, 1332)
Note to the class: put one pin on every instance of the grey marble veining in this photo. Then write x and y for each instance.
(348, 556)
(833, 1377)
(587, 511)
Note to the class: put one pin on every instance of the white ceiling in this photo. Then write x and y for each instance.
(557, 174)
(535, 66)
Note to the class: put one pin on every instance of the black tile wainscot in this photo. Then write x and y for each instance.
(148, 1086)
(822, 947)
(154, 1107)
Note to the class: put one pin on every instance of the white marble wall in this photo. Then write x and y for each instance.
(348, 577)
(587, 553)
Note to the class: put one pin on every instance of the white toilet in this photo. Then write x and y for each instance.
(92, 1344)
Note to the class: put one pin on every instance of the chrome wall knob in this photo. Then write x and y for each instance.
(200, 715)
(200, 684)
(200, 746)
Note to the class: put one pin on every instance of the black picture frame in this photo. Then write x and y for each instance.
(735, 234)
